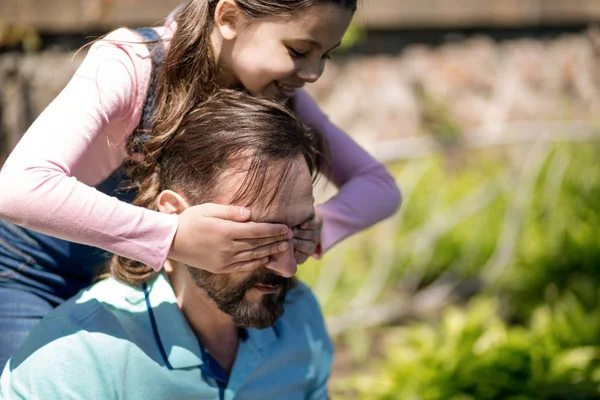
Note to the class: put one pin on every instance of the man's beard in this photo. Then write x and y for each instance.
(230, 296)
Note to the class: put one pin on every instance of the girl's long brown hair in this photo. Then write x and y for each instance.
(187, 75)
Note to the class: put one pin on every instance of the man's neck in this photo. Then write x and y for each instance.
(215, 330)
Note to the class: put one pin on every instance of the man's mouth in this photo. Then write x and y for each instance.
(264, 288)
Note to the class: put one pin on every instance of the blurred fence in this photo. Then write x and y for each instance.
(93, 15)
(532, 86)
(390, 14)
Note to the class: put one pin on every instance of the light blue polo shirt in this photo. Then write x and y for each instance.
(114, 341)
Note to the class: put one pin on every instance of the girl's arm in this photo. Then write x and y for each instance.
(80, 139)
(367, 192)
(77, 142)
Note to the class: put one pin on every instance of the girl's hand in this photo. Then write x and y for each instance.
(220, 239)
(307, 239)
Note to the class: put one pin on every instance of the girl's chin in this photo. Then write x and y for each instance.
(276, 96)
(271, 92)
(281, 100)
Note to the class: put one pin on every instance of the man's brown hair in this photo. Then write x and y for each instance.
(230, 129)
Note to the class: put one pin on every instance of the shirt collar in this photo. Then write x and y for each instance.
(174, 337)
(262, 337)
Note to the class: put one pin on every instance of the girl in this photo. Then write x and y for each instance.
(60, 180)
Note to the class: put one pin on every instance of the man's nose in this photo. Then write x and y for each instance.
(284, 263)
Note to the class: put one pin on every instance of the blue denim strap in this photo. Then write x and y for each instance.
(156, 49)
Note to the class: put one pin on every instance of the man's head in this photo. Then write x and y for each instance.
(239, 150)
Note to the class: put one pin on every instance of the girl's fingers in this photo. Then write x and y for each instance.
(261, 252)
(256, 230)
(249, 244)
(246, 266)
(300, 257)
(313, 224)
(227, 212)
(304, 234)
(307, 247)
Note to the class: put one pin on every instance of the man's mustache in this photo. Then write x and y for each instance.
(266, 277)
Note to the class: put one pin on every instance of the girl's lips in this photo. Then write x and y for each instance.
(286, 90)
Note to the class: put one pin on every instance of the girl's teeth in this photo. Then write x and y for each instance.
(285, 87)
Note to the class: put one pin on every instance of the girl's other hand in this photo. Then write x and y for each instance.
(221, 239)
(307, 239)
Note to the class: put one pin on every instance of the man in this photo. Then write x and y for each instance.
(184, 333)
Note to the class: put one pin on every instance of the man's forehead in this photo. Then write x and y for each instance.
(292, 211)
(293, 201)
(285, 198)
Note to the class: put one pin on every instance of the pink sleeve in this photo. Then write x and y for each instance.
(78, 141)
(367, 192)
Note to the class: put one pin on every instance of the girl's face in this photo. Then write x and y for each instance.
(275, 56)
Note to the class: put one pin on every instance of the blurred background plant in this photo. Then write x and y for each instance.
(18, 35)
(490, 289)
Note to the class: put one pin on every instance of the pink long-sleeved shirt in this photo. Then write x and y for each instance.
(47, 183)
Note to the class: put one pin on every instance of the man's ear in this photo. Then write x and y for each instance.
(170, 202)
(227, 19)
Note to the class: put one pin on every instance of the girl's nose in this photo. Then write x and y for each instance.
(311, 71)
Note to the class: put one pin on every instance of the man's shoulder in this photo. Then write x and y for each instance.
(83, 334)
(107, 296)
(86, 331)
(95, 315)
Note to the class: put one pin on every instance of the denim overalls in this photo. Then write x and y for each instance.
(38, 272)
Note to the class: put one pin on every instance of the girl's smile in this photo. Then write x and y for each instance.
(275, 56)
(286, 91)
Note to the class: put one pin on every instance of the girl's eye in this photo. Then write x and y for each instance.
(327, 57)
(296, 53)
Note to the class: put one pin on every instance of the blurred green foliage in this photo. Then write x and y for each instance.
(559, 250)
(438, 118)
(474, 354)
(532, 331)
(355, 34)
